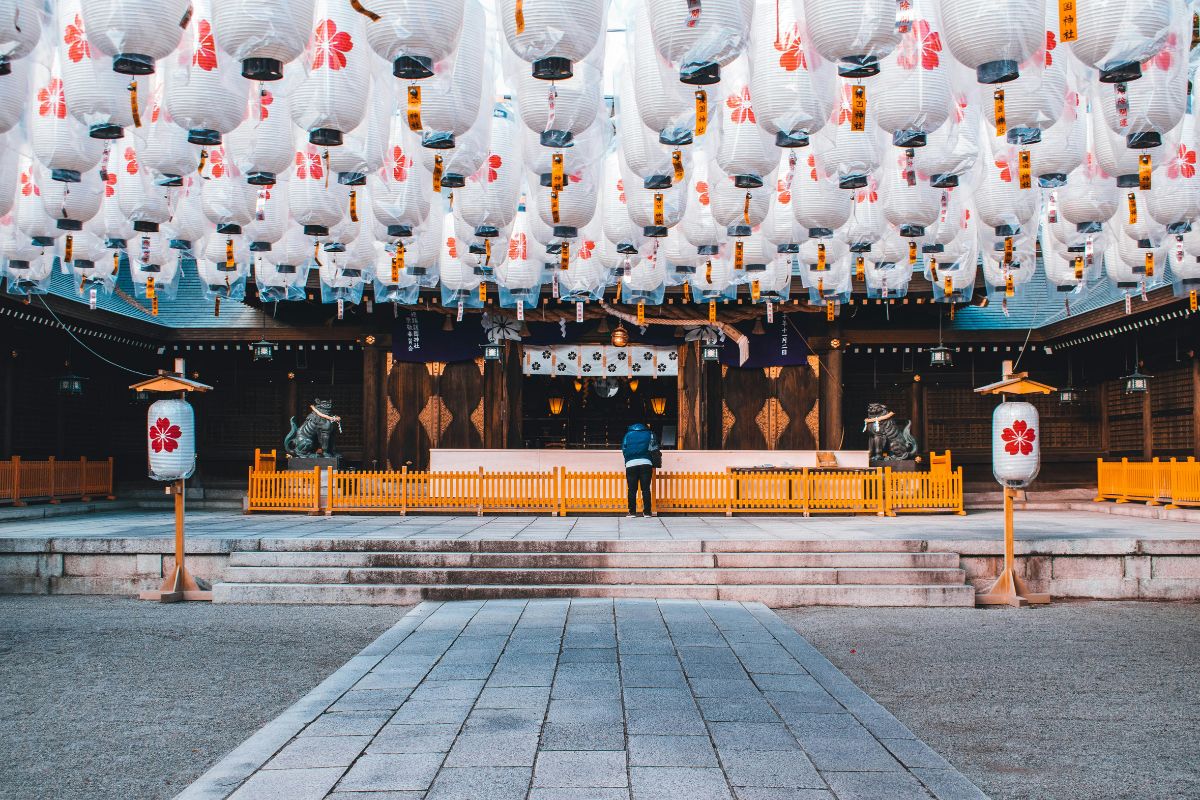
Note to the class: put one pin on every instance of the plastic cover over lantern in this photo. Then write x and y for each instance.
(702, 38)
(1134, 267)
(1116, 36)
(817, 202)
(229, 202)
(60, 141)
(401, 188)
(1174, 197)
(261, 147)
(167, 151)
(71, 205)
(96, 96)
(744, 150)
(136, 33)
(281, 273)
(667, 107)
(1089, 198)
(205, 95)
(488, 201)
(363, 149)
(1033, 101)
(866, 224)
(414, 37)
(558, 111)
(20, 31)
(792, 84)
(644, 154)
(999, 199)
(30, 216)
(842, 152)
(470, 149)
(857, 34)
(1124, 162)
(914, 96)
(270, 221)
(552, 34)
(264, 36)
(330, 100)
(14, 93)
(699, 225)
(1062, 146)
(619, 228)
(447, 105)
(994, 38)
(654, 210)
(952, 150)
(223, 267)
(316, 202)
(738, 209)
(908, 201)
(780, 228)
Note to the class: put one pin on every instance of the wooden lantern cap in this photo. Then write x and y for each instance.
(168, 382)
(1015, 383)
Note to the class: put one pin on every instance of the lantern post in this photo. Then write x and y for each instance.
(171, 450)
(1016, 459)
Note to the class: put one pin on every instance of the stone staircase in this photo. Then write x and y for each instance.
(777, 573)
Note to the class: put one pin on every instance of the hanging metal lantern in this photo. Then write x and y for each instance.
(491, 351)
(1068, 395)
(70, 385)
(263, 350)
(710, 352)
(620, 336)
(1136, 382)
(941, 356)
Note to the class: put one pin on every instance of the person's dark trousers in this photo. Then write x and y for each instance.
(640, 475)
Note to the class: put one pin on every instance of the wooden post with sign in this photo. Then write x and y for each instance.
(179, 584)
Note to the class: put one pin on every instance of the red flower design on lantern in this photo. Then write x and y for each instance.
(702, 190)
(791, 55)
(921, 45)
(784, 191)
(1051, 43)
(265, 98)
(518, 246)
(28, 187)
(51, 100)
(1165, 56)
(1183, 165)
(812, 162)
(309, 165)
(494, 162)
(585, 249)
(110, 184)
(451, 247)
(400, 163)
(1005, 170)
(217, 159)
(843, 111)
(1019, 438)
(330, 46)
(164, 436)
(739, 103)
(131, 163)
(621, 189)
(76, 41)
(869, 194)
(205, 54)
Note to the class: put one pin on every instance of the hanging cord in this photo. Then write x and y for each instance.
(81, 343)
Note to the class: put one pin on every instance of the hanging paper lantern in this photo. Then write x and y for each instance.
(571, 209)
(907, 199)
(551, 34)
(952, 150)
(362, 149)
(1033, 101)
(856, 33)
(866, 224)
(470, 149)
(167, 151)
(263, 36)
(699, 225)
(60, 142)
(994, 39)
(204, 95)
(71, 205)
(1142, 111)
(1126, 163)
(739, 210)
(700, 38)
(488, 201)
(316, 202)
(281, 273)
(914, 97)
(1116, 37)
(780, 227)
(999, 199)
(329, 100)
(136, 33)
(413, 36)
(1135, 267)
(666, 106)
(171, 439)
(8, 172)
(188, 226)
(229, 201)
(1174, 199)
(400, 190)
(560, 111)
(261, 147)
(818, 203)
(446, 105)
(644, 154)
(842, 152)
(20, 30)
(619, 227)
(655, 211)
(744, 150)
(95, 95)
(1016, 444)
(146, 204)
(14, 91)
(30, 217)
(1089, 198)
(792, 84)
(1062, 145)
(270, 222)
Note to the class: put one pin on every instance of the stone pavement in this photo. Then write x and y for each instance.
(585, 700)
(979, 525)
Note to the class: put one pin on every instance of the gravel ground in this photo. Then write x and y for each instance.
(104, 698)
(1072, 701)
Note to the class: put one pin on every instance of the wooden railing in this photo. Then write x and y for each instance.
(563, 492)
(264, 460)
(1171, 483)
(53, 480)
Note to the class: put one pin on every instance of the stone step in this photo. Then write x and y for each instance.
(459, 576)
(552, 560)
(773, 596)
(594, 545)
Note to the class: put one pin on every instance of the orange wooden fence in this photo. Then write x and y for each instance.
(1173, 483)
(562, 492)
(53, 480)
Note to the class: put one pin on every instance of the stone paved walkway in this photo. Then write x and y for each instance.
(586, 700)
(978, 525)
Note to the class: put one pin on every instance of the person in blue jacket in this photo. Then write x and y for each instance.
(639, 448)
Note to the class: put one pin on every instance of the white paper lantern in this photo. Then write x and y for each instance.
(329, 100)
(952, 150)
(855, 33)
(914, 97)
(619, 228)
(263, 36)
(1174, 197)
(744, 150)
(171, 439)
(414, 36)
(204, 95)
(1142, 110)
(552, 34)
(20, 30)
(1062, 145)
(488, 201)
(14, 92)
(261, 147)
(71, 205)
(60, 142)
(700, 40)
(401, 189)
(452, 100)
(30, 216)
(866, 224)
(907, 199)
(1016, 444)
(229, 202)
(1116, 36)
(136, 33)
(999, 199)
(780, 227)
(560, 111)
(316, 202)
(96, 96)
(1124, 162)
(843, 153)
(792, 84)
(817, 202)
(666, 106)
(270, 222)
(994, 38)
(467, 155)
(738, 209)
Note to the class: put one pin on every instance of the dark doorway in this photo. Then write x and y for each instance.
(566, 412)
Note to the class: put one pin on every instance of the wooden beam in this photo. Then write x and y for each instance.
(372, 396)
(1100, 317)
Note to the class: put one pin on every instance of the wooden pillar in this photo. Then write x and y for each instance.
(514, 385)
(1102, 391)
(832, 434)
(917, 415)
(496, 412)
(291, 404)
(1147, 427)
(692, 397)
(1195, 405)
(6, 424)
(372, 396)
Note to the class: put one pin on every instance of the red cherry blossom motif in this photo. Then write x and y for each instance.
(77, 43)
(400, 163)
(164, 436)
(217, 159)
(843, 113)
(51, 102)
(1005, 171)
(451, 247)
(1184, 163)
(265, 98)
(1019, 438)
(1051, 43)
(308, 165)
(330, 46)
(518, 246)
(920, 45)
(494, 163)
(702, 190)
(812, 162)
(585, 249)
(205, 54)
(960, 109)
(1165, 56)
(154, 113)
(28, 187)
(739, 103)
(868, 194)
(621, 189)
(110, 184)
(784, 193)
(791, 55)
(131, 164)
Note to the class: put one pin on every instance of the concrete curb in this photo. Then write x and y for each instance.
(224, 777)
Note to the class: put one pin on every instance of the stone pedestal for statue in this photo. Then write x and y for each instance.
(305, 463)
(905, 465)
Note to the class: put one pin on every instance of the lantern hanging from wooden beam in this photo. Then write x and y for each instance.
(171, 439)
(1016, 444)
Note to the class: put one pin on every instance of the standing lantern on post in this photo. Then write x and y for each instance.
(171, 452)
(1016, 458)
